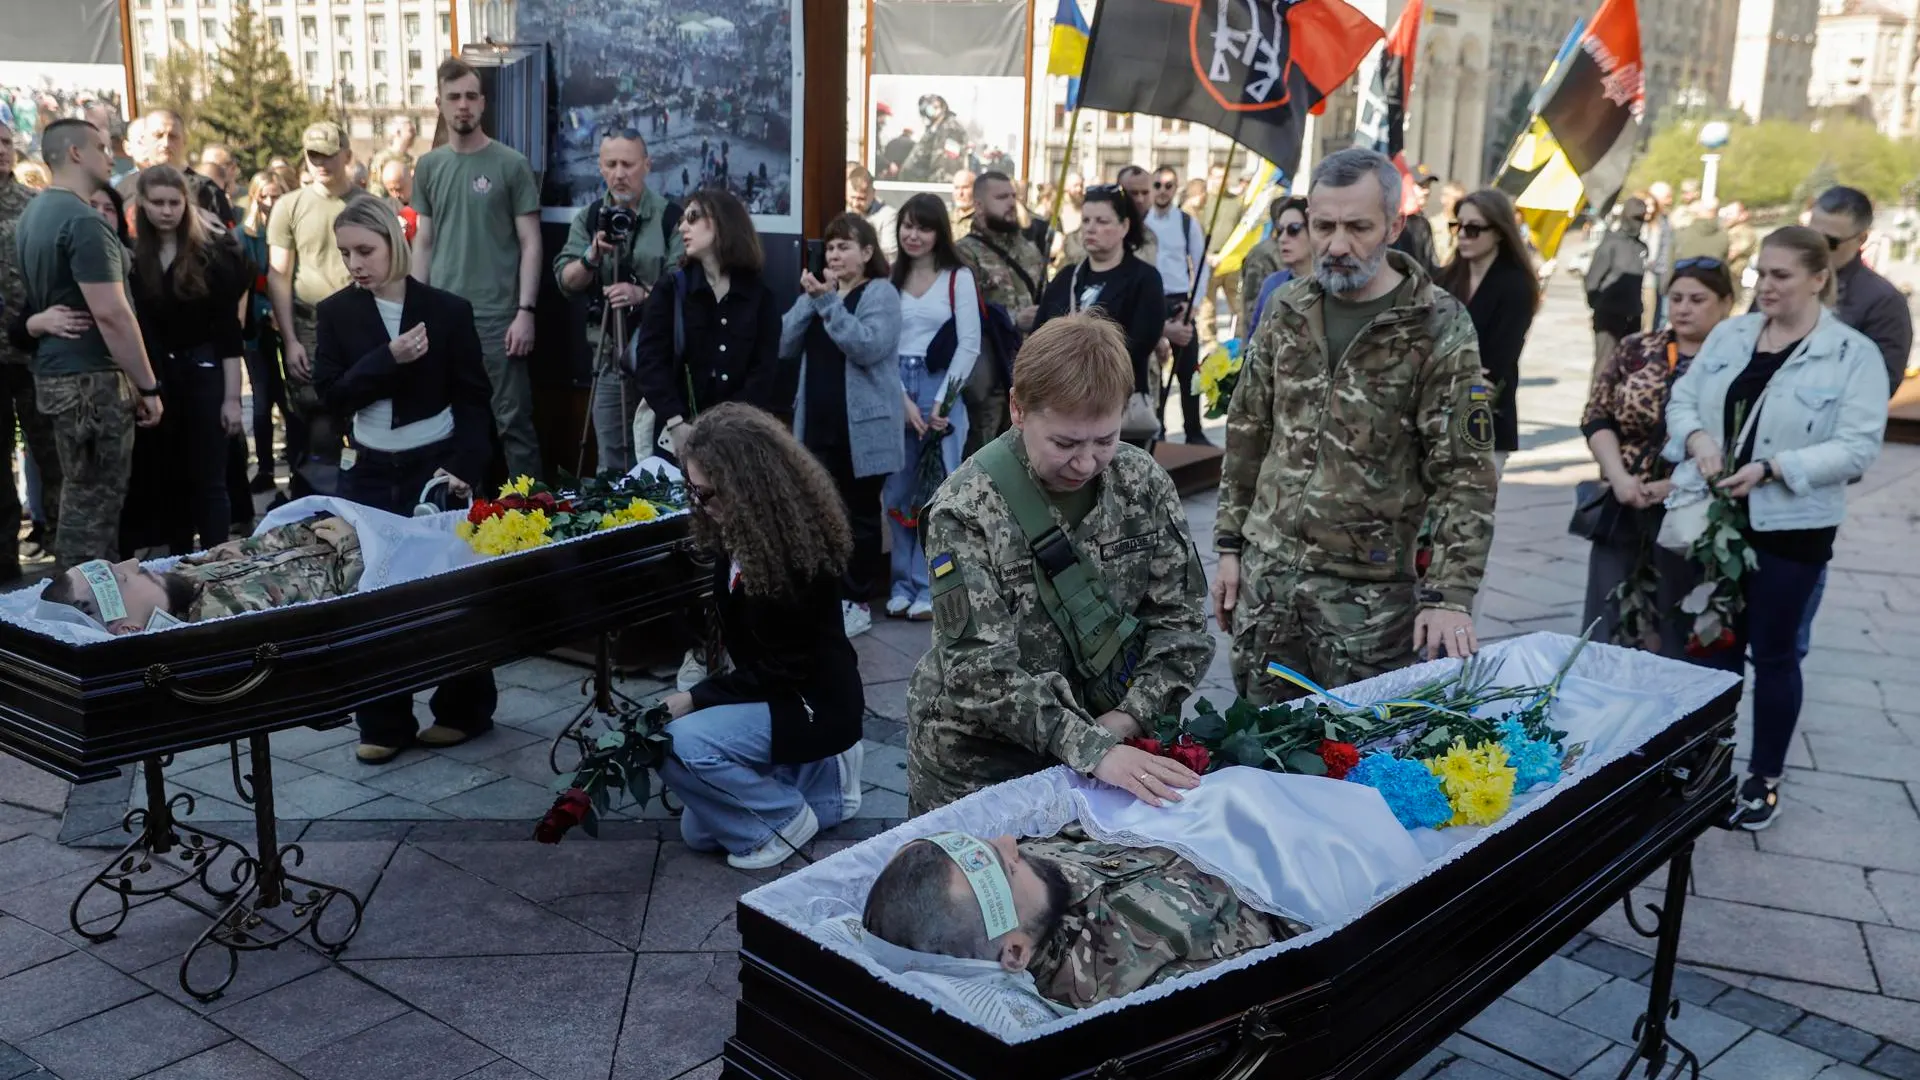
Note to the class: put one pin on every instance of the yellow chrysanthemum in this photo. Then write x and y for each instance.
(1218, 365)
(515, 530)
(1482, 803)
(1457, 765)
(522, 485)
(632, 514)
(1478, 782)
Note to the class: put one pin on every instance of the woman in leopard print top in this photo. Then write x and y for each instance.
(1633, 584)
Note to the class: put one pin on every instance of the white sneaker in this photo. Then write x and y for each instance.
(693, 672)
(857, 618)
(853, 761)
(920, 611)
(781, 846)
(897, 607)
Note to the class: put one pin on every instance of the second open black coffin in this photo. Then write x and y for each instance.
(1367, 1002)
(80, 711)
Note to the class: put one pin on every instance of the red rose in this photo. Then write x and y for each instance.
(1190, 753)
(1339, 757)
(1422, 559)
(482, 510)
(1698, 648)
(569, 809)
(1151, 746)
(542, 500)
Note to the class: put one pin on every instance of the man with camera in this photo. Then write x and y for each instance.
(616, 249)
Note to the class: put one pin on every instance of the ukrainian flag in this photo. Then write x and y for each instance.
(1067, 48)
(1253, 224)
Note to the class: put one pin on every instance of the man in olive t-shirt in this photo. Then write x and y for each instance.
(95, 386)
(479, 238)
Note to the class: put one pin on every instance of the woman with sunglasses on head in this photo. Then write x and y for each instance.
(710, 330)
(1625, 425)
(939, 343)
(1492, 274)
(768, 754)
(1114, 281)
(844, 329)
(1782, 408)
(1294, 248)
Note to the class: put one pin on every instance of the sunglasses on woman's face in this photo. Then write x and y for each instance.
(1292, 228)
(1164, 185)
(1472, 230)
(700, 494)
(693, 215)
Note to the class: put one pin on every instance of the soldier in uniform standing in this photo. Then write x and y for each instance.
(1011, 272)
(1361, 411)
(1067, 595)
(16, 380)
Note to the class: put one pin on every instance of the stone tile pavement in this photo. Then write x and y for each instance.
(485, 956)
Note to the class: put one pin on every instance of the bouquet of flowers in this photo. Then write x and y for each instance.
(1441, 755)
(930, 466)
(620, 762)
(1219, 372)
(1724, 557)
(527, 513)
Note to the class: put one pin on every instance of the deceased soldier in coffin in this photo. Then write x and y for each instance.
(313, 559)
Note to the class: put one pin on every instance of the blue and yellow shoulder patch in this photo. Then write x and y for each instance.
(1477, 392)
(941, 565)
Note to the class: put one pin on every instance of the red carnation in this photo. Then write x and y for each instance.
(569, 809)
(1697, 648)
(1151, 746)
(1339, 757)
(483, 509)
(1190, 753)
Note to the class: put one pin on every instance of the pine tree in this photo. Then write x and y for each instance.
(178, 85)
(253, 104)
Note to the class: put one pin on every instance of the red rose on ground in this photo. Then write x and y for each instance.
(1151, 746)
(569, 809)
(1339, 757)
(1190, 753)
(483, 509)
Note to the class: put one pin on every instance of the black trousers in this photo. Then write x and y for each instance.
(862, 496)
(269, 393)
(1186, 362)
(392, 482)
(194, 447)
(18, 407)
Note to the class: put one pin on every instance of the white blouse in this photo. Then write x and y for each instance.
(921, 317)
(373, 426)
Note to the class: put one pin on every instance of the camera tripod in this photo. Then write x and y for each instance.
(606, 359)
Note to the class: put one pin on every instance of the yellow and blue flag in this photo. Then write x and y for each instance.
(1067, 47)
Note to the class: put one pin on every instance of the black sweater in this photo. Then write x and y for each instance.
(1131, 294)
(1502, 313)
(732, 345)
(170, 323)
(793, 654)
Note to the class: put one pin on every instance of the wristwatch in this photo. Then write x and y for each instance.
(1767, 475)
(529, 308)
(152, 391)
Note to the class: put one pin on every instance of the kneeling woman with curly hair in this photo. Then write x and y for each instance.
(767, 754)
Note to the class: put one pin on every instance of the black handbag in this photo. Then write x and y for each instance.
(1596, 513)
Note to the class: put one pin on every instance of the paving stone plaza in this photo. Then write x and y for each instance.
(486, 956)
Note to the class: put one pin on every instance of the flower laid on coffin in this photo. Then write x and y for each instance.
(1331, 850)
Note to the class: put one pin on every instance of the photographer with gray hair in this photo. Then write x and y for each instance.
(1361, 412)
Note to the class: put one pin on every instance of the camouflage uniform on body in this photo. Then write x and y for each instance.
(940, 153)
(986, 392)
(1262, 261)
(994, 698)
(304, 560)
(1136, 917)
(16, 389)
(1331, 466)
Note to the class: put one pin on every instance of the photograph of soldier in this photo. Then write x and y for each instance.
(955, 125)
(712, 91)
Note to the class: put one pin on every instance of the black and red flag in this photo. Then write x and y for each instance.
(1382, 121)
(1594, 103)
(1251, 69)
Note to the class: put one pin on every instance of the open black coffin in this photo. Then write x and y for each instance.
(1367, 1001)
(79, 711)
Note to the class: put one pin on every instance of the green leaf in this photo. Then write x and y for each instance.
(590, 824)
(612, 740)
(1439, 736)
(1208, 727)
(1204, 707)
(1243, 748)
(1306, 763)
(640, 786)
(1241, 715)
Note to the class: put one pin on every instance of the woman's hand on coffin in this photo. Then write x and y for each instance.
(678, 705)
(1226, 590)
(230, 417)
(59, 321)
(459, 488)
(1122, 725)
(1154, 780)
(1742, 483)
(1704, 449)
(410, 346)
(1438, 632)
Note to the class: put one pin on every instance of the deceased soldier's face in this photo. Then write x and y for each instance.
(141, 590)
(1039, 898)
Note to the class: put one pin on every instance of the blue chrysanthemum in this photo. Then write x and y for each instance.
(1412, 792)
(1534, 761)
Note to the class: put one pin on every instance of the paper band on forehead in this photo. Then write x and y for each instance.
(106, 590)
(988, 879)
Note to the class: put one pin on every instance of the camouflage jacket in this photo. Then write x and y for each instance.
(998, 283)
(994, 698)
(940, 153)
(1136, 917)
(1333, 463)
(1261, 262)
(14, 197)
(304, 560)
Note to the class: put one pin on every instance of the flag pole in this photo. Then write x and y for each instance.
(1060, 185)
(1213, 221)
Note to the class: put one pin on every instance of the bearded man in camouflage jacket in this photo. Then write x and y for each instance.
(1362, 412)
(1011, 271)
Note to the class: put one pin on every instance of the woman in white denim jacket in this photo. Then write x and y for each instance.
(1821, 391)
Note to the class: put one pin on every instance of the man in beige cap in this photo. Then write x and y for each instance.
(304, 268)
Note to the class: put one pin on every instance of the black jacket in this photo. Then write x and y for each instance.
(1877, 308)
(353, 367)
(1134, 296)
(1502, 312)
(793, 654)
(1614, 282)
(732, 345)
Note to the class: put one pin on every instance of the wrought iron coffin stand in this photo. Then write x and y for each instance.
(261, 883)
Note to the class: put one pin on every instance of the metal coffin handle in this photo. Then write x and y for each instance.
(161, 677)
(1258, 1039)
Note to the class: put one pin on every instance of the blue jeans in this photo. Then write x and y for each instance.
(722, 769)
(1779, 593)
(1803, 644)
(908, 558)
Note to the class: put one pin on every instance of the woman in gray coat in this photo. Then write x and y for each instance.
(845, 331)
